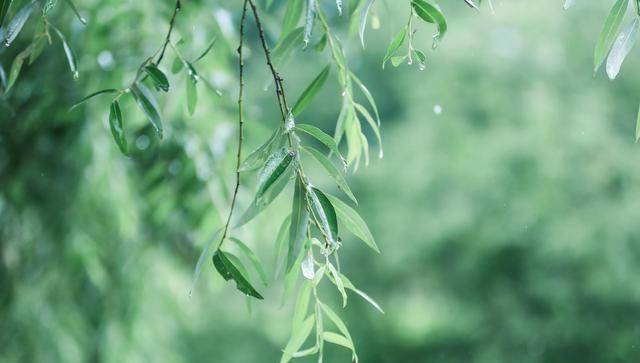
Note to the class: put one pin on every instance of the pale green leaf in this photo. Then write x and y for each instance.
(353, 222)
(609, 32)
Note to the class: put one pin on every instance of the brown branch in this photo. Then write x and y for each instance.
(176, 9)
(240, 122)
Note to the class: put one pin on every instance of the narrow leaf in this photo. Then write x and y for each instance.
(608, 32)
(310, 92)
(431, 13)
(324, 213)
(349, 285)
(638, 126)
(204, 256)
(117, 127)
(338, 282)
(321, 136)
(395, 44)
(309, 21)
(75, 11)
(338, 339)
(258, 156)
(353, 222)
(298, 338)
(335, 174)
(192, 95)
(253, 258)
(273, 168)
(621, 48)
(291, 16)
(147, 103)
(363, 19)
(71, 57)
(14, 27)
(299, 223)
(85, 99)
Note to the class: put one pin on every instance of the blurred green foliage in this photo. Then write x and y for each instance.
(506, 206)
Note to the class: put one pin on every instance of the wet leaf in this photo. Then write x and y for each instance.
(147, 103)
(258, 156)
(230, 272)
(158, 77)
(117, 127)
(13, 28)
(363, 19)
(335, 174)
(609, 32)
(431, 13)
(71, 57)
(324, 213)
(75, 11)
(621, 48)
(395, 44)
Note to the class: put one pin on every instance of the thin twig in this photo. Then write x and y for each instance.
(240, 122)
(176, 9)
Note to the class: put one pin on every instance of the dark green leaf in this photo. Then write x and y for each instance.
(229, 271)
(321, 136)
(353, 222)
(395, 44)
(609, 32)
(335, 174)
(14, 27)
(158, 77)
(117, 127)
(147, 103)
(311, 91)
(299, 223)
(4, 9)
(108, 90)
(431, 13)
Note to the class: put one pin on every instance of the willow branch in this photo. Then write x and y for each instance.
(240, 122)
(167, 39)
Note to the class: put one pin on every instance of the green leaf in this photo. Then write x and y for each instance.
(342, 327)
(431, 13)
(301, 307)
(311, 91)
(159, 79)
(397, 60)
(192, 95)
(14, 27)
(37, 47)
(147, 103)
(363, 19)
(177, 65)
(258, 205)
(321, 44)
(251, 256)
(282, 240)
(621, 48)
(117, 127)
(353, 222)
(324, 213)
(338, 282)
(273, 168)
(207, 49)
(284, 47)
(298, 338)
(638, 126)
(85, 99)
(204, 256)
(395, 44)
(374, 126)
(332, 170)
(309, 21)
(338, 339)
(16, 66)
(258, 156)
(4, 9)
(321, 136)
(608, 32)
(299, 223)
(71, 57)
(349, 285)
(230, 272)
(367, 95)
(291, 16)
(75, 11)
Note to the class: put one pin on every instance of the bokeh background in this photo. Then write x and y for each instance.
(506, 206)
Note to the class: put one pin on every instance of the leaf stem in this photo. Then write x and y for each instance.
(167, 39)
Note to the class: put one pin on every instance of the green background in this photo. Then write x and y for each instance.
(508, 223)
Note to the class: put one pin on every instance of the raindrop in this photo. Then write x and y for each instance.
(437, 109)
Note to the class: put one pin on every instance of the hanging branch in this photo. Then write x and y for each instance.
(176, 9)
(240, 123)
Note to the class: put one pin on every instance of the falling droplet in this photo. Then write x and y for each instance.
(76, 75)
(437, 109)
(291, 123)
(307, 266)
(381, 154)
